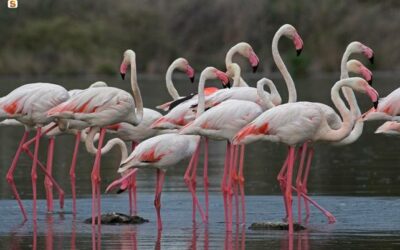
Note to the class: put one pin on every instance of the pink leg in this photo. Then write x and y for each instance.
(132, 188)
(157, 199)
(29, 142)
(33, 172)
(298, 179)
(47, 182)
(282, 183)
(288, 191)
(223, 184)
(72, 171)
(241, 183)
(229, 188)
(304, 184)
(95, 176)
(188, 181)
(205, 175)
(56, 185)
(10, 174)
(235, 181)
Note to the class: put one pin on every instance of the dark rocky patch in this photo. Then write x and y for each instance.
(118, 218)
(275, 226)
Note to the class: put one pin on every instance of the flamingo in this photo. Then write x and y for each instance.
(389, 128)
(296, 123)
(28, 105)
(101, 107)
(160, 153)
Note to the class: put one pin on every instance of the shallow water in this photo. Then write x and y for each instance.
(359, 183)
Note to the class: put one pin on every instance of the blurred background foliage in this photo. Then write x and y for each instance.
(80, 37)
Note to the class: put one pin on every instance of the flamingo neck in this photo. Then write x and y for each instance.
(275, 96)
(265, 99)
(170, 85)
(201, 96)
(138, 115)
(89, 143)
(282, 67)
(348, 122)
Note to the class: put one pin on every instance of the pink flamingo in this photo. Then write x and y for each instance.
(102, 107)
(160, 153)
(300, 122)
(28, 104)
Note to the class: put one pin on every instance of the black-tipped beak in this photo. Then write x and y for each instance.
(255, 68)
(123, 76)
(120, 190)
(371, 60)
(298, 52)
(370, 82)
(228, 85)
(192, 79)
(376, 104)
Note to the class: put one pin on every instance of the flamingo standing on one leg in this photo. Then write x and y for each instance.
(28, 104)
(296, 123)
(101, 107)
(160, 153)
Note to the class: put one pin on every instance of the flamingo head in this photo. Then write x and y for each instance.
(362, 86)
(124, 182)
(183, 65)
(129, 55)
(389, 127)
(357, 67)
(223, 77)
(291, 32)
(357, 47)
(247, 51)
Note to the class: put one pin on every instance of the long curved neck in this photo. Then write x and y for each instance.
(170, 85)
(348, 92)
(265, 99)
(282, 67)
(89, 143)
(136, 92)
(348, 122)
(201, 96)
(275, 96)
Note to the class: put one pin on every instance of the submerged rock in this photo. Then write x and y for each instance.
(275, 226)
(118, 218)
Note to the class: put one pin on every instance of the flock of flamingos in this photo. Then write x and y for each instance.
(238, 114)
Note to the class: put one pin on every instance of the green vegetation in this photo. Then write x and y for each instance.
(88, 37)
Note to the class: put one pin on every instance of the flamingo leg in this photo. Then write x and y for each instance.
(72, 171)
(49, 168)
(282, 182)
(299, 178)
(229, 187)
(288, 191)
(56, 185)
(235, 182)
(304, 184)
(132, 188)
(188, 181)
(223, 183)
(10, 174)
(34, 173)
(241, 183)
(95, 176)
(29, 142)
(205, 175)
(157, 199)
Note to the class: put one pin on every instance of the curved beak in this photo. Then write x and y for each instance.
(371, 59)
(123, 76)
(376, 104)
(227, 85)
(192, 79)
(255, 68)
(370, 81)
